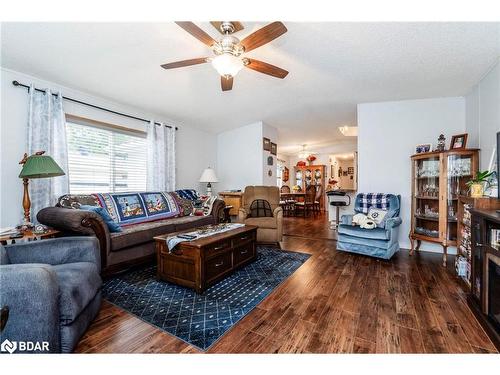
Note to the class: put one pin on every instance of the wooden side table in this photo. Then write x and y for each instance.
(28, 235)
(232, 198)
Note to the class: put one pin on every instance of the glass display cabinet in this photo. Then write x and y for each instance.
(438, 179)
(312, 175)
(299, 178)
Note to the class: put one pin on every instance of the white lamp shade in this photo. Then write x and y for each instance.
(208, 175)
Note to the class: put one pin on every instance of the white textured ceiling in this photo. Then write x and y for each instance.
(333, 66)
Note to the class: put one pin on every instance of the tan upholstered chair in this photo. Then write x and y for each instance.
(270, 228)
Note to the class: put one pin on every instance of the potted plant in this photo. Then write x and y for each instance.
(476, 185)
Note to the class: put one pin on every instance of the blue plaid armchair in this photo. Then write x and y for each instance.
(380, 242)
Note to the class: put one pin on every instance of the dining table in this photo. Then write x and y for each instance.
(296, 196)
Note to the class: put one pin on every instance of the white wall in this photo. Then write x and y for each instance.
(241, 160)
(388, 133)
(483, 114)
(344, 182)
(195, 149)
(239, 157)
(271, 133)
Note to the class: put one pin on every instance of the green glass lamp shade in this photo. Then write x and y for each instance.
(40, 166)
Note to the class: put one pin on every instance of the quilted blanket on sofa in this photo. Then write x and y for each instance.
(134, 208)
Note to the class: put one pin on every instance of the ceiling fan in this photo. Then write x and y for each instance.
(229, 50)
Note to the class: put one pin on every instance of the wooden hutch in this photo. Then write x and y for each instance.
(312, 175)
(438, 179)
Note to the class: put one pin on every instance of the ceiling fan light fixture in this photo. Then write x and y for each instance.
(227, 64)
(305, 153)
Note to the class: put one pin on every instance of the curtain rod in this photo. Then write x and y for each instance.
(16, 83)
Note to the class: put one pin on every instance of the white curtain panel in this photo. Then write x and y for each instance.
(161, 157)
(47, 132)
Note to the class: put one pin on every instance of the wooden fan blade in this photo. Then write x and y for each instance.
(180, 64)
(263, 36)
(198, 33)
(226, 83)
(266, 68)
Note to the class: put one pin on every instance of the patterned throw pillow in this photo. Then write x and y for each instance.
(76, 200)
(378, 216)
(185, 205)
(189, 194)
(112, 226)
(260, 208)
(203, 206)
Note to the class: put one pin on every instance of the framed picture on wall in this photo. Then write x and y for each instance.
(266, 144)
(274, 148)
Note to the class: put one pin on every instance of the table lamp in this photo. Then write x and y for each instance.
(209, 176)
(37, 165)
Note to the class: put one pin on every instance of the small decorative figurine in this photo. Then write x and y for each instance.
(441, 143)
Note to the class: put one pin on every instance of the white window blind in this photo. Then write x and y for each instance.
(103, 160)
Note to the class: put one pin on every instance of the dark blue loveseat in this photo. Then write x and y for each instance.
(52, 289)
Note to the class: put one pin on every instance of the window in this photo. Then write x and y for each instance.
(104, 159)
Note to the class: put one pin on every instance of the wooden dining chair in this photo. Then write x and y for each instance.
(317, 198)
(307, 205)
(287, 203)
(285, 189)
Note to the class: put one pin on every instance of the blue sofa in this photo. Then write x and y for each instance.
(52, 289)
(378, 242)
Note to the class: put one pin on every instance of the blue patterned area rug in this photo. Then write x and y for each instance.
(201, 320)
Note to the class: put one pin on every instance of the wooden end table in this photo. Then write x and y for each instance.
(28, 235)
(200, 263)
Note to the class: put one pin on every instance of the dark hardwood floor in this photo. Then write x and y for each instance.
(334, 303)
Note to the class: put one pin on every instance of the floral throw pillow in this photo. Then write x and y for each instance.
(185, 205)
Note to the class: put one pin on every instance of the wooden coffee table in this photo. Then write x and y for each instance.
(201, 263)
